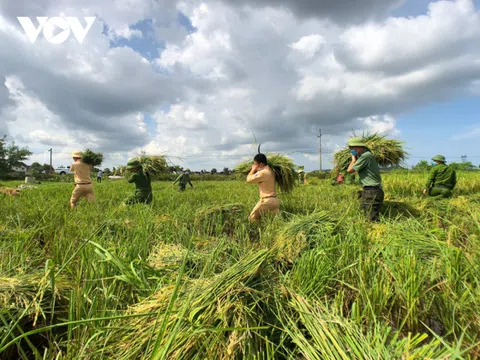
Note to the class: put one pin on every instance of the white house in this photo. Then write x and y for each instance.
(20, 168)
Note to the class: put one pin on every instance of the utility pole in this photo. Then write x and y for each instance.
(319, 136)
(464, 158)
(50, 170)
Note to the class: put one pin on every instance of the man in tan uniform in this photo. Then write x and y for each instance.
(83, 182)
(264, 176)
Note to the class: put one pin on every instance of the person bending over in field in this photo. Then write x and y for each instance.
(365, 164)
(441, 180)
(83, 182)
(338, 180)
(183, 180)
(143, 185)
(264, 176)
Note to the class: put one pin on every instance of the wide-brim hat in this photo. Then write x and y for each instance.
(356, 142)
(187, 170)
(439, 158)
(77, 154)
(300, 171)
(133, 164)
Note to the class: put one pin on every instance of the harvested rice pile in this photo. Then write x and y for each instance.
(219, 218)
(302, 232)
(10, 192)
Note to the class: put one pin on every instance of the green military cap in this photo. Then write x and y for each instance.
(133, 164)
(439, 158)
(356, 142)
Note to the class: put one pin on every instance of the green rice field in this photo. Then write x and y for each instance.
(188, 277)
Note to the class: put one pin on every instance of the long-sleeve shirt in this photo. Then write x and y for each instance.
(143, 185)
(265, 179)
(184, 179)
(442, 175)
(82, 172)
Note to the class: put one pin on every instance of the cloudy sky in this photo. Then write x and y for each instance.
(203, 81)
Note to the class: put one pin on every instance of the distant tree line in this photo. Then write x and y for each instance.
(424, 165)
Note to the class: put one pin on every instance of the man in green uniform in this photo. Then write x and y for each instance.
(143, 185)
(441, 180)
(183, 180)
(365, 164)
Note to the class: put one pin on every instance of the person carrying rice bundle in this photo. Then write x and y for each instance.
(264, 176)
(364, 163)
(302, 177)
(183, 179)
(83, 182)
(143, 185)
(441, 179)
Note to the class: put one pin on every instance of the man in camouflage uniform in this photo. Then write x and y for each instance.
(183, 180)
(365, 164)
(143, 185)
(83, 181)
(441, 180)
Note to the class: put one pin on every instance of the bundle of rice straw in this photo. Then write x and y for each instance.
(92, 158)
(283, 166)
(151, 164)
(220, 218)
(302, 232)
(32, 291)
(387, 152)
(210, 318)
(11, 192)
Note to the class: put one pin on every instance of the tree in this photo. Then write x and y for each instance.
(35, 168)
(11, 155)
(462, 166)
(423, 165)
(213, 171)
(107, 171)
(226, 171)
(46, 168)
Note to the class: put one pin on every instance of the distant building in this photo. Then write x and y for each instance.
(20, 168)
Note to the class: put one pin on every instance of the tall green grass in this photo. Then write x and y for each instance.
(189, 277)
